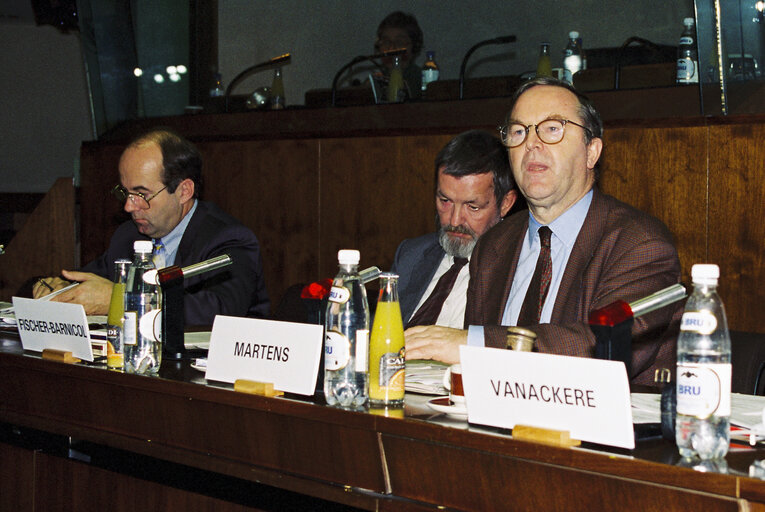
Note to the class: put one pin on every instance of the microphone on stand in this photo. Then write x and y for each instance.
(362, 58)
(281, 60)
(496, 40)
(612, 324)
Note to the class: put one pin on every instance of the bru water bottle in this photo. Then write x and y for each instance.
(141, 327)
(386, 347)
(346, 345)
(702, 425)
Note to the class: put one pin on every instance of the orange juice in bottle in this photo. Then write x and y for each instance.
(386, 347)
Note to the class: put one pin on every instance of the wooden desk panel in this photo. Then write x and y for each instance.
(359, 459)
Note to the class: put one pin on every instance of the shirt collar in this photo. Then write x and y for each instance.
(566, 227)
(172, 240)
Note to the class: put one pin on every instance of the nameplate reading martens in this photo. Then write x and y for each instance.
(589, 398)
(285, 354)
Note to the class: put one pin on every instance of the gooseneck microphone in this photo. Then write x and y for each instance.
(279, 61)
(496, 40)
(361, 58)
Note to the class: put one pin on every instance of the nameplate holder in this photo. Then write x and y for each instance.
(53, 325)
(284, 354)
(60, 356)
(587, 398)
(544, 436)
(256, 388)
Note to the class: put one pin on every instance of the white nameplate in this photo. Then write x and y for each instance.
(589, 398)
(55, 325)
(283, 353)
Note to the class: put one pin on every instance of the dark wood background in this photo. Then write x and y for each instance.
(310, 182)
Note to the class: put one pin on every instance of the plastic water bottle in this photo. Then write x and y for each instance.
(688, 55)
(141, 326)
(702, 426)
(217, 89)
(346, 343)
(430, 70)
(572, 57)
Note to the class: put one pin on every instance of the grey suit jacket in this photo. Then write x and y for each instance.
(620, 254)
(236, 290)
(416, 263)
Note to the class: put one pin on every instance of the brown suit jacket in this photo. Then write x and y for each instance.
(620, 254)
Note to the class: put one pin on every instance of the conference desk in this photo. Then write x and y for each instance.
(178, 442)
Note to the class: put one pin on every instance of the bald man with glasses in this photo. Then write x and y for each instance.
(574, 251)
(160, 182)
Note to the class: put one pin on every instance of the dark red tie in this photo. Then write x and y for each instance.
(431, 308)
(540, 282)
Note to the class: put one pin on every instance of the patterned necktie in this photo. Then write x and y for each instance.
(431, 308)
(540, 282)
(159, 254)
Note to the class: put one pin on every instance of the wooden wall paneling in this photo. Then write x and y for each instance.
(737, 220)
(44, 246)
(376, 192)
(17, 483)
(662, 171)
(100, 213)
(273, 188)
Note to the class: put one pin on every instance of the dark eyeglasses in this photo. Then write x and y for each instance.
(549, 131)
(138, 199)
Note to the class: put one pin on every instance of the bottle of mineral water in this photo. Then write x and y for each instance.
(688, 55)
(141, 327)
(702, 426)
(346, 345)
(572, 57)
(429, 70)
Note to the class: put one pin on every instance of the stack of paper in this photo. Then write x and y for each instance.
(425, 377)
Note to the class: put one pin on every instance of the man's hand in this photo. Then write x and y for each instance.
(48, 285)
(94, 292)
(434, 342)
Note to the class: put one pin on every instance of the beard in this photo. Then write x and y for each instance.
(457, 247)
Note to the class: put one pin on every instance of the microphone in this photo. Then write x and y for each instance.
(275, 62)
(612, 324)
(496, 40)
(361, 58)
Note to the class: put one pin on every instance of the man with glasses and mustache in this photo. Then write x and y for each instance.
(474, 190)
(574, 251)
(160, 182)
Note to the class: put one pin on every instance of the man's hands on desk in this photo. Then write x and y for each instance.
(93, 292)
(435, 342)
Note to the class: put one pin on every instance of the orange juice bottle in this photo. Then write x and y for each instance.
(114, 349)
(386, 347)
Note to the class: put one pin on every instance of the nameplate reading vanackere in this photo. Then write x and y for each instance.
(285, 354)
(589, 398)
(53, 325)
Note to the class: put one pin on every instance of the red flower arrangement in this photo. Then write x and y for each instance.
(317, 290)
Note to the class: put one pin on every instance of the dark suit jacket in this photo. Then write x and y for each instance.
(415, 263)
(620, 254)
(236, 290)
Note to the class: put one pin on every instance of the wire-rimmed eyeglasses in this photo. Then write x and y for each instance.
(139, 200)
(549, 131)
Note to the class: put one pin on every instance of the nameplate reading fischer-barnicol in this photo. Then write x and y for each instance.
(54, 325)
(589, 398)
(286, 354)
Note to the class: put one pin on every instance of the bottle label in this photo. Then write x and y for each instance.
(687, 71)
(702, 322)
(362, 350)
(429, 75)
(703, 390)
(339, 294)
(337, 351)
(130, 328)
(392, 370)
(686, 41)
